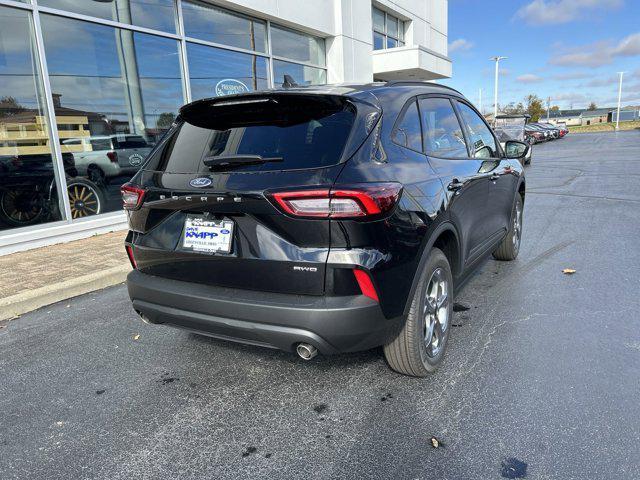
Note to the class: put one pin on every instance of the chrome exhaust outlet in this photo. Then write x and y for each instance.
(306, 351)
(144, 318)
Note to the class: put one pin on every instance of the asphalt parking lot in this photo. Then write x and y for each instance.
(541, 379)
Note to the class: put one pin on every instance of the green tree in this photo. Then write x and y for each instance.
(165, 119)
(534, 107)
(513, 109)
(555, 108)
(592, 106)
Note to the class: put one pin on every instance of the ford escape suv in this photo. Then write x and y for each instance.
(322, 219)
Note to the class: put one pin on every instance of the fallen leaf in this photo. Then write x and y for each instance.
(136, 336)
(568, 271)
(434, 442)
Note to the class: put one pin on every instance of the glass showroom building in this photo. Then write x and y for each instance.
(87, 87)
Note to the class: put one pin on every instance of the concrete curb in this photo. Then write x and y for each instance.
(32, 299)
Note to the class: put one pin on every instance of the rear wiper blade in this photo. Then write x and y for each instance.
(230, 161)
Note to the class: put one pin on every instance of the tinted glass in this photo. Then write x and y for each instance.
(26, 165)
(378, 41)
(407, 132)
(392, 26)
(109, 83)
(156, 14)
(302, 74)
(482, 141)
(297, 46)
(217, 25)
(378, 20)
(442, 133)
(215, 71)
(316, 139)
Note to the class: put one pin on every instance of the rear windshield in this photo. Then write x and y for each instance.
(288, 136)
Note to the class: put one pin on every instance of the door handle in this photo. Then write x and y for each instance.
(494, 176)
(455, 185)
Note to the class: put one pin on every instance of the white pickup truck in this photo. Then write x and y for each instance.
(107, 156)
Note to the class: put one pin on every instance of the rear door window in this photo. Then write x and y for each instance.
(289, 136)
(443, 135)
(407, 132)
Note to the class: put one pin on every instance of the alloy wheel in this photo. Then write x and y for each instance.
(436, 312)
(517, 227)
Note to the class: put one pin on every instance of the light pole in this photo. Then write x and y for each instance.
(619, 98)
(495, 92)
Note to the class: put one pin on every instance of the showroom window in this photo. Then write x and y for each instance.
(216, 25)
(109, 77)
(155, 14)
(115, 91)
(28, 189)
(388, 31)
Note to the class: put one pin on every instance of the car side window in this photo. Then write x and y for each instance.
(407, 132)
(483, 143)
(442, 132)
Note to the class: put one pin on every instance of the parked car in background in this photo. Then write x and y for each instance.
(562, 130)
(553, 131)
(545, 133)
(512, 127)
(104, 157)
(298, 219)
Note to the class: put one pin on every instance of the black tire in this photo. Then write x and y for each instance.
(510, 245)
(22, 207)
(410, 353)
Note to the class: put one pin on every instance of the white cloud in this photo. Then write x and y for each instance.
(461, 45)
(553, 12)
(529, 78)
(571, 76)
(598, 54)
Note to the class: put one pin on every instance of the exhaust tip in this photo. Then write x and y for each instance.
(306, 351)
(145, 319)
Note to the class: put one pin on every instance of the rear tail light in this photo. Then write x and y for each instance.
(366, 284)
(132, 259)
(132, 196)
(113, 156)
(341, 201)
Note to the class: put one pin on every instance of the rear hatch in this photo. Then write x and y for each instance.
(208, 214)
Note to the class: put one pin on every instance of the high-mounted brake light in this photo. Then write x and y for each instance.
(365, 284)
(132, 196)
(341, 201)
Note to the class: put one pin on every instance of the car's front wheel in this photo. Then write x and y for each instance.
(419, 347)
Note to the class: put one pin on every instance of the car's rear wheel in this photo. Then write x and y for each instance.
(419, 347)
(510, 245)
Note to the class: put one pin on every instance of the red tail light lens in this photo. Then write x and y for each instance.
(132, 259)
(132, 196)
(365, 284)
(341, 201)
(113, 156)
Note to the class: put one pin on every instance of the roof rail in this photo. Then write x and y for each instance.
(424, 83)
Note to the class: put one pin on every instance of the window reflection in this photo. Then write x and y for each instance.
(215, 71)
(28, 193)
(302, 74)
(297, 46)
(156, 14)
(115, 93)
(216, 25)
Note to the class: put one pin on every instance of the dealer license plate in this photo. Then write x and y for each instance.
(205, 235)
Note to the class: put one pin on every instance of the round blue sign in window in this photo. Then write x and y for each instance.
(230, 86)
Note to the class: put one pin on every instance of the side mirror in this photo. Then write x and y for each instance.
(515, 149)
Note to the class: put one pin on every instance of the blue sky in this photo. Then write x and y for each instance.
(569, 50)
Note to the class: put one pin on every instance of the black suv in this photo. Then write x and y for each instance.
(332, 218)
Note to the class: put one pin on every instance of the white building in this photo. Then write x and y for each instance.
(88, 86)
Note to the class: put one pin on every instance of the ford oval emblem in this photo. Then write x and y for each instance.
(200, 182)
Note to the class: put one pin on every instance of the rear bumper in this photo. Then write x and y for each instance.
(331, 324)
